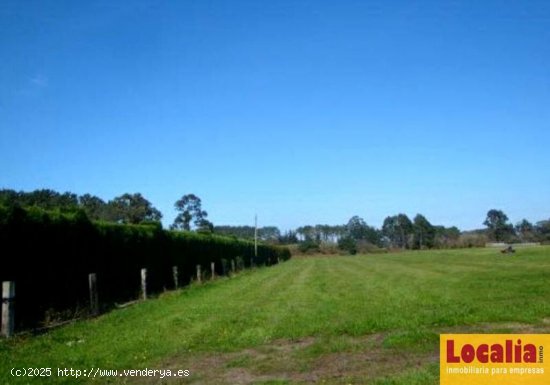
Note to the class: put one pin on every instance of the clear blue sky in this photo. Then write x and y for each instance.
(303, 112)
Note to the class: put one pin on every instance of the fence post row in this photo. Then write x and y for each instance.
(94, 301)
(8, 314)
(8, 293)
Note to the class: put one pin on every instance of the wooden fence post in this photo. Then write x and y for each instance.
(8, 314)
(175, 275)
(212, 268)
(144, 283)
(94, 301)
(233, 265)
(199, 273)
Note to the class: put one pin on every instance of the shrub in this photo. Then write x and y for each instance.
(56, 252)
(348, 244)
(309, 245)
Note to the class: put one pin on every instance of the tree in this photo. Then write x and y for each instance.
(94, 207)
(423, 232)
(446, 236)
(269, 234)
(357, 227)
(397, 230)
(288, 238)
(525, 231)
(542, 229)
(348, 244)
(499, 229)
(9, 198)
(358, 230)
(45, 198)
(246, 232)
(134, 209)
(204, 226)
(190, 210)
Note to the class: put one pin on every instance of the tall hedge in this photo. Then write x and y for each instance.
(50, 254)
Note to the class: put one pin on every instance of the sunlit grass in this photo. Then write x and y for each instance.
(405, 298)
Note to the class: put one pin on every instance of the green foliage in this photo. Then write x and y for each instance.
(498, 227)
(134, 209)
(45, 198)
(309, 245)
(423, 233)
(190, 210)
(269, 234)
(542, 229)
(58, 250)
(358, 230)
(94, 207)
(398, 229)
(127, 208)
(348, 244)
(381, 313)
(289, 237)
(526, 231)
(446, 237)
(321, 233)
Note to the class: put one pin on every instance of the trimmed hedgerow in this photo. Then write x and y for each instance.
(50, 254)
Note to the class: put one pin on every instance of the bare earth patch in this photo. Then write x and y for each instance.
(287, 361)
(351, 360)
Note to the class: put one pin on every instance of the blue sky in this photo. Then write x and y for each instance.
(303, 112)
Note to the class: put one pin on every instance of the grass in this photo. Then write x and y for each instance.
(371, 319)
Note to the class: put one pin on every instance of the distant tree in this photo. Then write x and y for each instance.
(133, 209)
(397, 230)
(499, 229)
(288, 238)
(49, 199)
(542, 230)
(269, 234)
(306, 233)
(190, 211)
(204, 226)
(328, 233)
(424, 232)
(45, 198)
(309, 245)
(525, 231)
(245, 232)
(9, 197)
(94, 207)
(348, 243)
(358, 230)
(446, 236)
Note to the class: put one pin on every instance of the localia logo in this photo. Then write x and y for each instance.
(494, 359)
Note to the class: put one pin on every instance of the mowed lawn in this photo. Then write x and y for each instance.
(372, 319)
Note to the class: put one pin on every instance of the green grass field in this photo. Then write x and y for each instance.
(371, 319)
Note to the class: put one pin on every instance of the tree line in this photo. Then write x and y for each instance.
(397, 231)
(124, 209)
